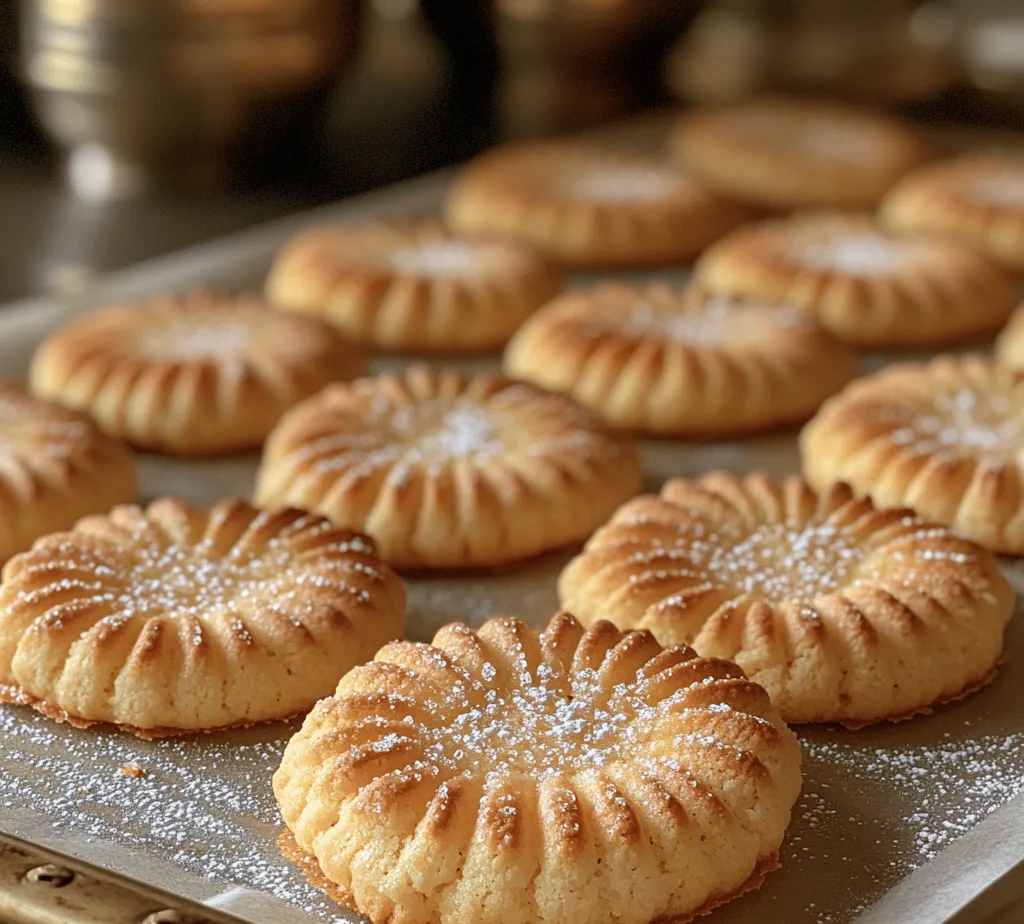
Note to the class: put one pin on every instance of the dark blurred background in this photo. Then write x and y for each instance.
(133, 128)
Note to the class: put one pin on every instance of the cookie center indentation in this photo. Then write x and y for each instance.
(854, 254)
(546, 724)
(983, 424)
(777, 562)
(623, 184)
(436, 258)
(216, 340)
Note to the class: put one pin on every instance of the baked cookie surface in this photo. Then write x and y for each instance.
(791, 153)
(662, 361)
(976, 200)
(1009, 346)
(449, 471)
(412, 287)
(191, 374)
(172, 620)
(862, 283)
(589, 207)
(55, 467)
(945, 438)
(844, 613)
(570, 777)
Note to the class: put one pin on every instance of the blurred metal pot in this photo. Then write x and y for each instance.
(142, 92)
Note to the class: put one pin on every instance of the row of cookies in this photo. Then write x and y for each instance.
(496, 751)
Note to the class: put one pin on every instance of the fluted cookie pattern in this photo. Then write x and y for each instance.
(570, 777)
(171, 619)
(978, 200)
(843, 612)
(861, 282)
(449, 471)
(190, 374)
(55, 466)
(657, 360)
(412, 288)
(589, 207)
(945, 438)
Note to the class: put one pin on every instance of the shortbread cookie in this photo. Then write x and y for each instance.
(192, 374)
(567, 778)
(793, 153)
(863, 284)
(413, 287)
(55, 466)
(945, 438)
(976, 200)
(664, 361)
(172, 620)
(589, 207)
(446, 471)
(1009, 349)
(844, 613)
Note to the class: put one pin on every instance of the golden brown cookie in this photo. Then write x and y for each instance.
(172, 620)
(55, 466)
(844, 613)
(944, 438)
(412, 287)
(793, 153)
(570, 777)
(190, 374)
(589, 207)
(976, 200)
(863, 284)
(662, 361)
(448, 471)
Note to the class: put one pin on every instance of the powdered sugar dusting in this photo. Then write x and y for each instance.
(774, 561)
(717, 322)
(855, 254)
(1002, 189)
(622, 183)
(969, 421)
(435, 258)
(447, 432)
(211, 339)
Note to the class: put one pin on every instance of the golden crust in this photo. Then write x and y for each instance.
(661, 361)
(190, 374)
(792, 153)
(55, 467)
(844, 613)
(449, 471)
(572, 777)
(975, 200)
(943, 438)
(861, 283)
(412, 287)
(589, 207)
(171, 620)
(1009, 346)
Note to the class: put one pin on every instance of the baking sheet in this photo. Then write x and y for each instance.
(201, 821)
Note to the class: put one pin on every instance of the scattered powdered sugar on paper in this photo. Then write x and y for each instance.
(205, 805)
(856, 254)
